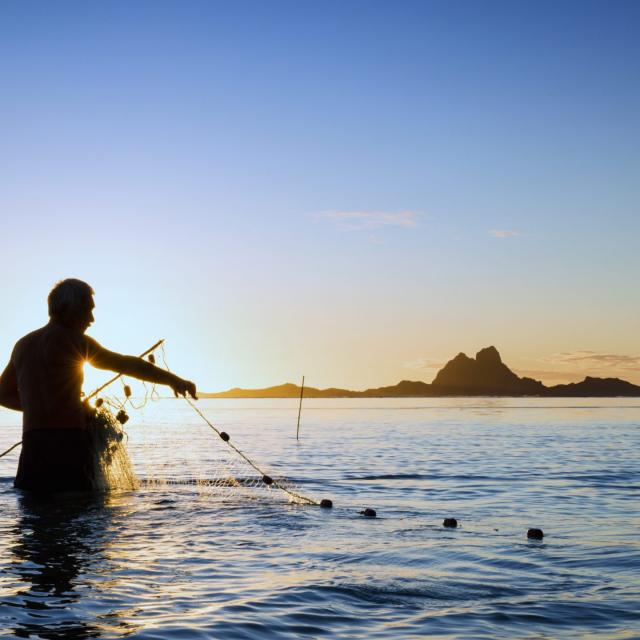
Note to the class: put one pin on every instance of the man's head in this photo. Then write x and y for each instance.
(71, 303)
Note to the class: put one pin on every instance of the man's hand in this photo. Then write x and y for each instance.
(183, 387)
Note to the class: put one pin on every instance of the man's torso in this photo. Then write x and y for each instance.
(48, 364)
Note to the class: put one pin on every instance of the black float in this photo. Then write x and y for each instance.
(450, 523)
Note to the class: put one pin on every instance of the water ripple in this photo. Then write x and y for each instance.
(183, 559)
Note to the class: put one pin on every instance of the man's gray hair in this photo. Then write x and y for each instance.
(68, 297)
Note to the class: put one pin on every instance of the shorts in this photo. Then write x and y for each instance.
(54, 460)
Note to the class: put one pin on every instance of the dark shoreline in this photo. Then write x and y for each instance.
(223, 396)
(484, 376)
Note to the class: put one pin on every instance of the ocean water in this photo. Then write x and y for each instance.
(182, 559)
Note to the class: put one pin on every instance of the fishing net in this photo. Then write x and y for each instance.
(233, 473)
(218, 472)
(111, 464)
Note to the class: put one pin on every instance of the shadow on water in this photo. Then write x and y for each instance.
(57, 542)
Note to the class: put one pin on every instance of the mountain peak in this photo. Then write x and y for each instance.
(488, 355)
(484, 374)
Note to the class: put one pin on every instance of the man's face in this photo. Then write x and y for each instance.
(85, 317)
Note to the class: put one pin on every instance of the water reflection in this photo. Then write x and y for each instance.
(58, 541)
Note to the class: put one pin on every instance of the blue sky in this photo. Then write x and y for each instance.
(342, 189)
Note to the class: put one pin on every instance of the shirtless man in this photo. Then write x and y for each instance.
(44, 379)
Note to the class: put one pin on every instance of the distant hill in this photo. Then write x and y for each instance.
(287, 390)
(484, 375)
(602, 387)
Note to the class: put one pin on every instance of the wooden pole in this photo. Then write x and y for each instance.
(300, 409)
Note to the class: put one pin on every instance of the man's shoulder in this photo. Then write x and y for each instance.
(31, 336)
(27, 344)
(51, 335)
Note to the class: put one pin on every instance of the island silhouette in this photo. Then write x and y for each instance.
(484, 375)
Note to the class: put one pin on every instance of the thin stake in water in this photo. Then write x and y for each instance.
(300, 409)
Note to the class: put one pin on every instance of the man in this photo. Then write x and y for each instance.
(44, 379)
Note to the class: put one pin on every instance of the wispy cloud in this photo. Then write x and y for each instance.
(595, 360)
(424, 363)
(504, 233)
(547, 376)
(371, 219)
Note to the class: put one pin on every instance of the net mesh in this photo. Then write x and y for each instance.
(112, 468)
(215, 470)
(226, 478)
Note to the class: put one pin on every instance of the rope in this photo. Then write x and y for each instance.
(106, 384)
(265, 478)
(10, 449)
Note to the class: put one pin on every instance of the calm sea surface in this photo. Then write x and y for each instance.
(179, 559)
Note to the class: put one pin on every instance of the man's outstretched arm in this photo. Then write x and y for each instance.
(9, 396)
(102, 358)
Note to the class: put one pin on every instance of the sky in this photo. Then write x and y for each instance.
(351, 191)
